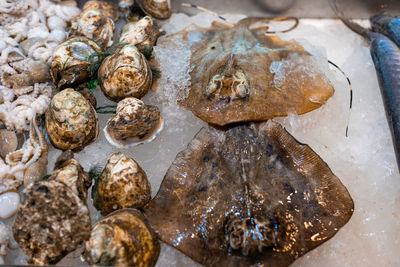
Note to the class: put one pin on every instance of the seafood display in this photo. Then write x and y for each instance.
(54, 218)
(243, 191)
(70, 63)
(248, 195)
(126, 73)
(122, 184)
(123, 238)
(237, 79)
(134, 123)
(71, 121)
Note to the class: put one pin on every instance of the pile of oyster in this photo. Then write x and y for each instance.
(54, 218)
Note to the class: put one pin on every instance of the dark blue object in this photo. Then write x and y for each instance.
(388, 25)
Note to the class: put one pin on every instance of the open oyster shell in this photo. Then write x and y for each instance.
(122, 184)
(71, 121)
(123, 238)
(159, 9)
(94, 25)
(126, 73)
(143, 33)
(135, 123)
(70, 63)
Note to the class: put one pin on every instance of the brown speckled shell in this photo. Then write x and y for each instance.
(52, 222)
(126, 73)
(122, 184)
(94, 25)
(107, 8)
(143, 33)
(69, 66)
(134, 122)
(72, 175)
(123, 238)
(158, 10)
(71, 121)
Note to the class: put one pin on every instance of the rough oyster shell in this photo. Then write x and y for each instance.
(126, 73)
(72, 175)
(122, 184)
(52, 222)
(159, 9)
(70, 63)
(71, 121)
(143, 33)
(123, 238)
(135, 123)
(106, 8)
(94, 25)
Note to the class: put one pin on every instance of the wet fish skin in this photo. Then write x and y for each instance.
(388, 25)
(386, 57)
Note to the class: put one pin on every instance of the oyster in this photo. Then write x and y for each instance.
(126, 73)
(122, 184)
(248, 196)
(71, 121)
(106, 8)
(71, 173)
(123, 238)
(52, 221)
(71, 61)
(159, 9)
(95, 25)
(135, 123)
(143, 33)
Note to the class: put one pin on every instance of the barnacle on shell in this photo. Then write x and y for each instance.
(122, 184)
(71, 121)
(135, 123)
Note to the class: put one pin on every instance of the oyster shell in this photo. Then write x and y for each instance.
(52, 221)
(126, 73)
(8, 142)
(135, 123)
(123, 238)
(71, 121)
(122, 184)
(71, 173)
(106, 8)
(159, 9)
(70, 63)
(143, 33)
(94, 25)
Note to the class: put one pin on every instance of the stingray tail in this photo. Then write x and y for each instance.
(355, 27)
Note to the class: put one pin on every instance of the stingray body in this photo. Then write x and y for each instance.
(241, 74)
(248, 195)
